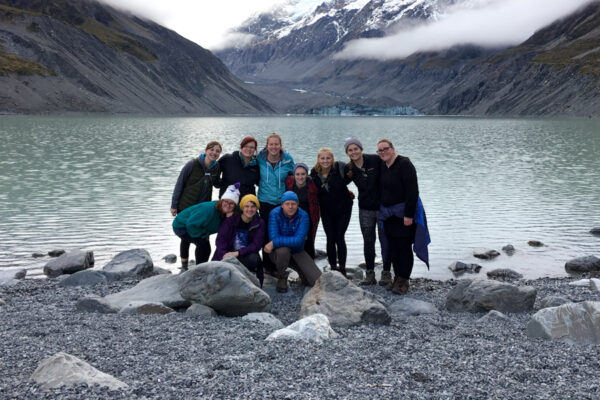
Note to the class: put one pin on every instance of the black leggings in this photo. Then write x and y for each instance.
(202, 248)
(335, 227)
(400, 253)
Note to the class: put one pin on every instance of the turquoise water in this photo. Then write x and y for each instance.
(104, 183)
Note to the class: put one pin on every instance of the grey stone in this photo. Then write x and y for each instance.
(130, 263)
(595, 231)
(170, 258)
(459, 267)
(163, 289)
(509, 249)
(63, 369)
(572, 322)
(2, 303)
(493, 315)
(264, 318)
(86, 277)
(482, 296)
(10, 277)
(320, 254)
(583, 264)
(344, 303)
(223, 287)
(159, 271)
(201, 311)
(504, 273)
(314, 328)
(38, 255)
(406, 306)
(143, 307)
(354, 273)
(69, 263)
(56, 253)
(553, 301)
(486, 254)
(535, 243)
(595, 284)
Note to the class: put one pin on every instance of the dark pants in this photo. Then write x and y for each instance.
(253, 262)
(301, 262)
(400, 240)
(265, 210)
(335, 227)
(202, 246)
(369, 222)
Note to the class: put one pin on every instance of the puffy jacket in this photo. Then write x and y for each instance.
(227, 233)
(314, 211)
(272, 179)
(200, 220)
(288, 232)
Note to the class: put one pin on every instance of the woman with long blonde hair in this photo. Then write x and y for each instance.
(335, 202)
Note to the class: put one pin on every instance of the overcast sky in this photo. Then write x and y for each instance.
(482, 22)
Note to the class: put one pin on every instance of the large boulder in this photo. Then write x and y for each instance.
(572, 322)
(69, 263)
(87, 277)
(224, 288)
(483, 296)
(406, 306)
(344, 303)
(163, 289)
(11, 276)
(314, 328)
(130, 263)
(242, 268)
(583, 264)
(63, 369)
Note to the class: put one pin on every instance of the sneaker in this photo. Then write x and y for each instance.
(386, 279)
(282, 285)
(369, 278)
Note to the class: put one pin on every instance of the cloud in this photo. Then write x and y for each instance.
(487, 23)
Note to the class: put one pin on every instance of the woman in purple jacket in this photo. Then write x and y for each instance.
(242, 236)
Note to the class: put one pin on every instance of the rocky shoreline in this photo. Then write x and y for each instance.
(430, 353)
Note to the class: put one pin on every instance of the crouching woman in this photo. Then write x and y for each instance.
(242, 236)
(196, 223)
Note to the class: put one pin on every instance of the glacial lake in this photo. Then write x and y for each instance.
(105, 183)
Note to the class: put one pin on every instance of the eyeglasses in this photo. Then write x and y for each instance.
(383, 150)
(249, 147)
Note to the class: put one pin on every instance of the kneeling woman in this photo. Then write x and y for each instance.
(242, 236)
(196, 223)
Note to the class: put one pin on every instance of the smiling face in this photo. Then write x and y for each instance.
(227, 206)
(354, 152)
(325, 159)
(290, 208)
(248, 150)
(249, 210)
(213, 153)
(386, 151)
(274, 146)
(300, 176)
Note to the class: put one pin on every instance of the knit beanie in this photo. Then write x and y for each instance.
(247, 140)
(301, 165)
(249, 197)
(232, 193)
(352, 140)
(289, 195)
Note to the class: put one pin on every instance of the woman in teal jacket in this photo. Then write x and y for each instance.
(196, 223)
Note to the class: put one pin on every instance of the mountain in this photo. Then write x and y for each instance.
(83, 56)
(290, 60)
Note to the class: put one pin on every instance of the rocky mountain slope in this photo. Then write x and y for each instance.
(290, 59)
(82, 56)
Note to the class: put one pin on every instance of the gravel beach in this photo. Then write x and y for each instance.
(435, 356)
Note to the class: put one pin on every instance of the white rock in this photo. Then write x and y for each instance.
(581, 282)
(264, 318)
(65, 369)
(572, 322)
(595, 284)
(315, 329)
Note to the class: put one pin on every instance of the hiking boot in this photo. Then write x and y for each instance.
(386, 279)
(282, 285)
(400, 286)
(369, 278)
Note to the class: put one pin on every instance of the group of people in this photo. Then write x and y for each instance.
(281, 220)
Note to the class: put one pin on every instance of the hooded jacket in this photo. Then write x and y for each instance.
(272, 179)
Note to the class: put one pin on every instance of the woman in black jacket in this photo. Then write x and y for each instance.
(241, 166)
(336, 206)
